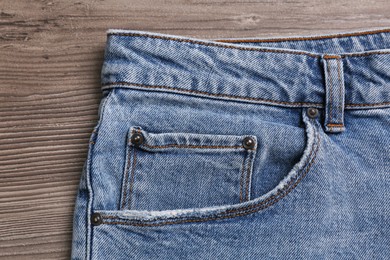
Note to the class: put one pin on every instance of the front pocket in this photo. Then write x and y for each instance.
(178, 170)
(292, 179)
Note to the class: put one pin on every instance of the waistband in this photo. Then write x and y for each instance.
(286, 71)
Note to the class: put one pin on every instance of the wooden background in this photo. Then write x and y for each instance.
(51, 54)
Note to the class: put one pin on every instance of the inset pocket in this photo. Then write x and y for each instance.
(178, 170)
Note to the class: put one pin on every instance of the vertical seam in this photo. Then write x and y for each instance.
(242, 176)
(132, 178)
(132, 174)
(125, 185)
(341, 85)
(248, 175)
(89, 182)
(330, 87)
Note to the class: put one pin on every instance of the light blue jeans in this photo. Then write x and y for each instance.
(239, 149)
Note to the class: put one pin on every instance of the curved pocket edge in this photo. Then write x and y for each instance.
(166, 217)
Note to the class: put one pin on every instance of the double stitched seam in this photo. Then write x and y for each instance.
(193, 146)
(242, 176)
(367, 105)
(335, 125)
(210, 94)
(215, 44)
(248, 175)
(245, 210)
(89, 180)
(248, 48)
(307, 38)
(133, 173)
(132, 177)
(284, 187)
(330, 91)
(340, 90)
(125, 185)
(241, 97)
(364, 54)
(289, 187)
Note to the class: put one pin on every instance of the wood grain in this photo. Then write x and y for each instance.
(50, 59)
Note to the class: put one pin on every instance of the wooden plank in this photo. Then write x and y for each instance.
(50, 60)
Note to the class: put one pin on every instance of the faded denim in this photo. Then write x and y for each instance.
(239, 149)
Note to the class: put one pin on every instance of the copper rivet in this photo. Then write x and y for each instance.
(96, 219)
(248, 142)
(312, 112)
(137, 138)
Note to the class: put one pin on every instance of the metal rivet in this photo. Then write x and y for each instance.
(96, 219)
(248, 142)
(137, 138)
(312, 112)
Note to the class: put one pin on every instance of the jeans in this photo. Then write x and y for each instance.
(241, 148)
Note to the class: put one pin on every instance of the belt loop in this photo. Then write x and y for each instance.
(334, 93)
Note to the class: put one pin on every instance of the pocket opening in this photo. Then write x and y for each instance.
(165, 217)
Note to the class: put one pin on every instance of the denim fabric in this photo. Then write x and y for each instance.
(239, 149)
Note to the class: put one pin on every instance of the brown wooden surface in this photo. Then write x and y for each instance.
(50, 59)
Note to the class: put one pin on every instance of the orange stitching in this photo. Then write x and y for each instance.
(368, 105)
(364, 54)
(257, 49)
(215, 44)
(307, 38)
(241, 211)
(328, 57)
(336, 125)
(242, 97)
(340, 108)
(211, 94)
(193, 146)
(253, 49)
